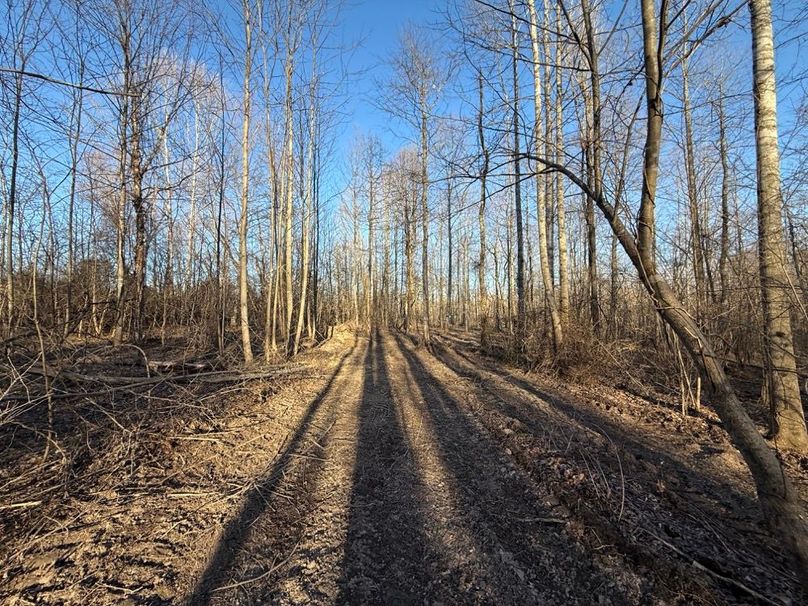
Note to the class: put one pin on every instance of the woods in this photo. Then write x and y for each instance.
(596, 192)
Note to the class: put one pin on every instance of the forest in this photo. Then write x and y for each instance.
(432, 302)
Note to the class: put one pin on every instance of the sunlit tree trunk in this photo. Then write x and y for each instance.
(245, 190)
(425, 216)
(409, 228)
(561, 215)
(541, 210)
(788, 420)
(168, 280)
(120, 234)
(220, 274)
(190, 259)
(307, 202)
(139, 204)
(450, 277)
(271, 277)
(288, 160)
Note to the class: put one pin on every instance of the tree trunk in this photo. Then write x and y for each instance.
(71, 209)
(409, 226)
(646, 224)
(220, 279)
(449, 294)
(288, 177)
(307, 198)
(245, 190)
(561, 215)
(11, 206)
(141, 221)
(191, 252)
(517, 185)
(593, 160)
(541, 210)
(425, 217)
(481, 277)
(788, 420)
(371, 302)
(779, 502)
(723, 259)
(120, 236)
(693, 198)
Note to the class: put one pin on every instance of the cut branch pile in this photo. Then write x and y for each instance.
(77, 422)
(63, 381)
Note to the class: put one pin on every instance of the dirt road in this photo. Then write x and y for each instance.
(418, 491)
(409, 502)
(407, 477)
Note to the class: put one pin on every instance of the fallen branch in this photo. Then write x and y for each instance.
(179, 366)
(114, 383)
(542, 520)
(698, 565)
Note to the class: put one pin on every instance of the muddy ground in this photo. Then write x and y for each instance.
(394, 475)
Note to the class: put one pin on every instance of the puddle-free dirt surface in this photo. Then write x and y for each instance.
(403, 476)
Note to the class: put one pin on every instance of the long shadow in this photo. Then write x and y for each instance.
(237, 529)
(500, 507)
(658, 405)
(387, 549)
(576, 417)
(709, 497)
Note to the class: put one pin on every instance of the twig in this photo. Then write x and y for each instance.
(717, 575)
(91, 89)
(197, 438)
(260, 576)
(306, 456)
(21, 505)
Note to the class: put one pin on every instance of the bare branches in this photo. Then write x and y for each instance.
(52, 80)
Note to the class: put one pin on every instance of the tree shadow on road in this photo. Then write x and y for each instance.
(258, 499)
(690, 505)
(536, 560)
(570, 418)
(387, 552)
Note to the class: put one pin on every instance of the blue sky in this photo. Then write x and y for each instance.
(374, 25)
(377, 24)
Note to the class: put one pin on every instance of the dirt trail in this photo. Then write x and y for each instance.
(445, 479)
(408, 501)
(403, 477)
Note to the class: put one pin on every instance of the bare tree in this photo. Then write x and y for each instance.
(788, 419)
(541, 204)
(777, 497)
(243, 283)
(418, 78)
(517, 180)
